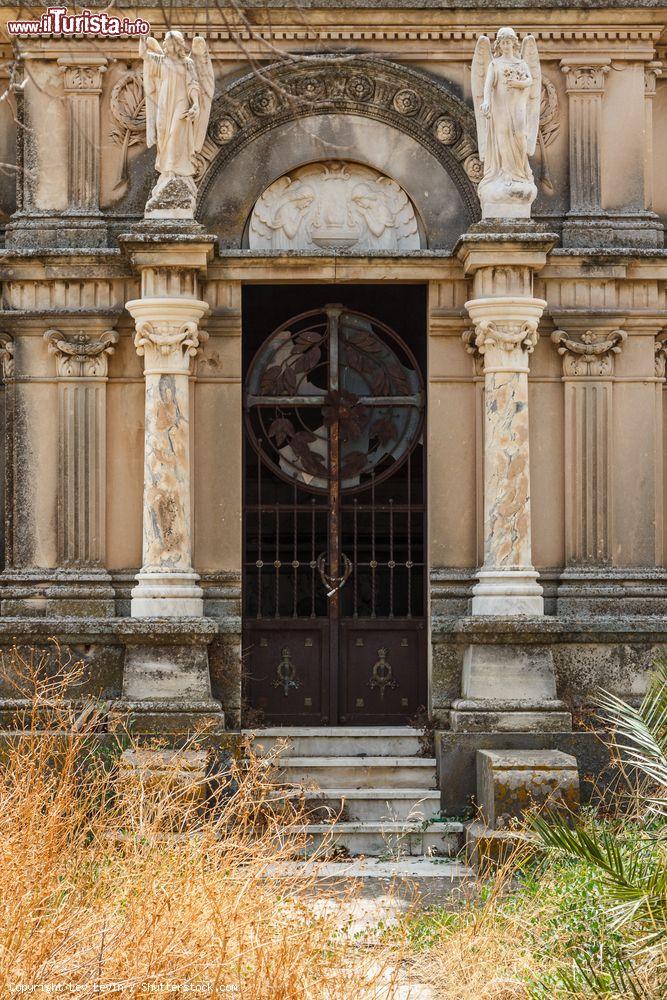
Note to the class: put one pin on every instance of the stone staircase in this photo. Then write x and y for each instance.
(366, 790)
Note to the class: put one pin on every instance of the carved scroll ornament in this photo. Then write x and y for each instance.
(590, 354)
(81, 355)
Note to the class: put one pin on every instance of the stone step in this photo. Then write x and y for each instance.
(347, 741)
(416, 880)
(373, 804)
(359, 772)
(439, 839)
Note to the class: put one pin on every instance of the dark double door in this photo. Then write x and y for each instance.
(334, 517)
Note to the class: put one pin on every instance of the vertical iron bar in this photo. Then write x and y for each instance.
(333, 317)
(391, 558)
(312, 557)
(408, 561)
(373, 559)
(295, 568)
(276, 562)
(355, 555)
(259, 529)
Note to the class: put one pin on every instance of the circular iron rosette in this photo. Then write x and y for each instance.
(334, 389)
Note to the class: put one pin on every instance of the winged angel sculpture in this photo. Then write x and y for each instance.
(506, 89)
(179, 91)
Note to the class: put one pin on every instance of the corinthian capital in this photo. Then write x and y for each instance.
(81, 355)
(590, 353)
(167, 332)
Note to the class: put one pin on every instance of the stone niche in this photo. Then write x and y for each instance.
(334, 206)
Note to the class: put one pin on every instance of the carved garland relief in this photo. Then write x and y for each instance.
(334, 206)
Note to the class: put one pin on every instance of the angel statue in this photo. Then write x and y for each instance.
(179, 91)
(506, 89)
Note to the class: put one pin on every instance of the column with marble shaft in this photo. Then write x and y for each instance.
(168, 337)
(82, 359)
(505, 334)
(506, 687)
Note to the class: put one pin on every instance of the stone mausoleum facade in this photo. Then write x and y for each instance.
(329, 448)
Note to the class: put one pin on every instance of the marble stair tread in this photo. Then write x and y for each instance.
(301, 741)
(415, 879)
(383, 826)
(358, 772)
(359, 761)
(427, 794)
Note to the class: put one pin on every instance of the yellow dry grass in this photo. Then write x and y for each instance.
(124, 888)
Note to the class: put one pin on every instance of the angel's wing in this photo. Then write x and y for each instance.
(204, 69)
(151, 86)
(532, 59)
(480, 66)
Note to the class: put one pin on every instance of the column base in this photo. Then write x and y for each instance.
(167, 595)
(515, 592)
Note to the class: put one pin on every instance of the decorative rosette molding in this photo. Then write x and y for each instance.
(369, 86)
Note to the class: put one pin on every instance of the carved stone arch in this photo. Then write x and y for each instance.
(314, 87)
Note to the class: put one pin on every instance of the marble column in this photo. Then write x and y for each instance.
(82, 359)
(168, 338)
(505, 333)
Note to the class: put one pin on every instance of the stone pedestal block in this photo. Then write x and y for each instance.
(167, 687)
(509, 782)
(509, 688)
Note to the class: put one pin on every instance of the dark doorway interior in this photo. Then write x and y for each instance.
(334, 579)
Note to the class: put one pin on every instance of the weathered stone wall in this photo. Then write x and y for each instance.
(389, 88)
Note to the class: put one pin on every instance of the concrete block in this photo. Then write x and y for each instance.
(509, 782)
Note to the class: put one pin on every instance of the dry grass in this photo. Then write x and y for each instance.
(84, 907)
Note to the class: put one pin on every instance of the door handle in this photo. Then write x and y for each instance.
(333, 583)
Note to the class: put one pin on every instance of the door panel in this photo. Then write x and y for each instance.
(334, 571)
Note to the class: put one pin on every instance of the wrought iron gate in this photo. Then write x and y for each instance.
(334, 509)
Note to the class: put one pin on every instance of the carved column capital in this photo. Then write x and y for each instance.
(7, 355)
(83, 74)
(505, 331)
(661, 355)
(81, 355)
(584, 78)
(167, 332)
(590, 353)
(652, 71)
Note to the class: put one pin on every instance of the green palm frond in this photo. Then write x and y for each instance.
(618, 980)
(641, 733)
(635, 883)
